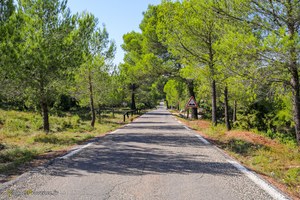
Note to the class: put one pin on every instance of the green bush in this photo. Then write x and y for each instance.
(36, 122)
(75, 121)
(292, 176)
(284, 138)
(140, 106)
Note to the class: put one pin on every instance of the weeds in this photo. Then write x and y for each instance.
(292, 176)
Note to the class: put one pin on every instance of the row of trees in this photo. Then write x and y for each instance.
(240, 59)
(47, 53)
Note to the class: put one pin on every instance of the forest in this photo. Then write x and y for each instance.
(238, 58)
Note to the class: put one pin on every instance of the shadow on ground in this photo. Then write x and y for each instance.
(140, 154)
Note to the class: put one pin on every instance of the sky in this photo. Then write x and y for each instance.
(118, 16)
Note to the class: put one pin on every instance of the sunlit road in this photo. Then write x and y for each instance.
(155, 157)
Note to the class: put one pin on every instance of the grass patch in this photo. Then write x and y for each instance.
(242, 147)
(61, 139)
(22, 139)
(12, 158)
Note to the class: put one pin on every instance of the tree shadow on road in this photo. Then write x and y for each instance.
(155, 127)
(171, 140)
(137, 155)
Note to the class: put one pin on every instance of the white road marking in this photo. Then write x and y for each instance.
(261, 183)
(113, 132)
(76, 151)
(202, 139)
(198, 136)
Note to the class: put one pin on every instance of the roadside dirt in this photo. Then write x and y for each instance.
(251, 137)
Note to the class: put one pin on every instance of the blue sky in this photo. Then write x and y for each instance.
(119, 16)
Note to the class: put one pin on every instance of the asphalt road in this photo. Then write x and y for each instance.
(155, 157)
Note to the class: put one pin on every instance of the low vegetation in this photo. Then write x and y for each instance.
(22, 139)
(277, 159)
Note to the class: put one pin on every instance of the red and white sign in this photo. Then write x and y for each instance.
(192, 103)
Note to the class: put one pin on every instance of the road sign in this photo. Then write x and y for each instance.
(192, 103)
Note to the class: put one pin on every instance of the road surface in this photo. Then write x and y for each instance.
(155, 157)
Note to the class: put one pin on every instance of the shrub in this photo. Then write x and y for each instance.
(292, 176)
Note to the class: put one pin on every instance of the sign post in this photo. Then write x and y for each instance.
(191, 104)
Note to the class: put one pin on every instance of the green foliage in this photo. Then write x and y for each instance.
(292, 176)
(284, 138)
(141, 106)
(174, 92)
(64, 103)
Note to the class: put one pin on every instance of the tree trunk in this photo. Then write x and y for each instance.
(133, 88)
(214, 103)
(167, 104)
(192, 93)
(296, 103)
(92, 102)
(113, 112)
(294, 79)
(45, 111)
(234, 111)
(296, 100)
(227, 121)
(133, 106)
